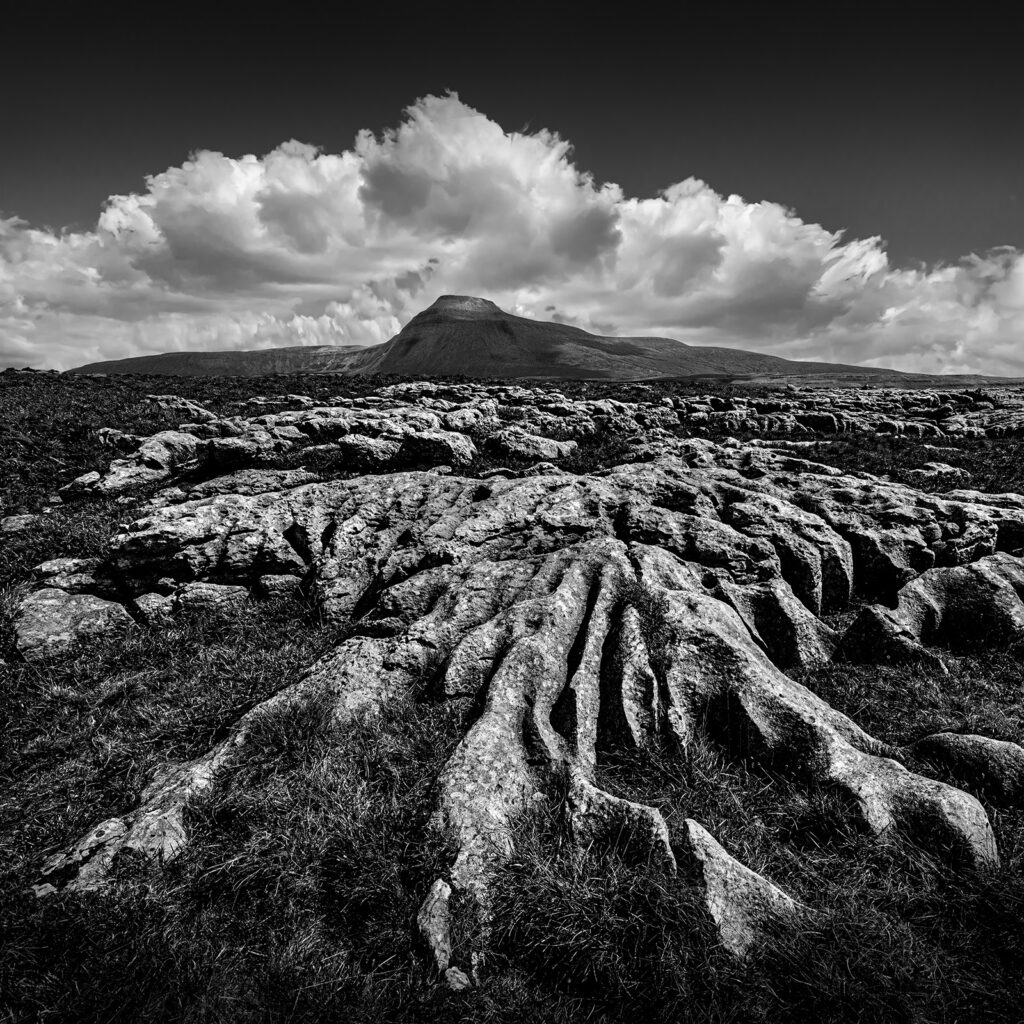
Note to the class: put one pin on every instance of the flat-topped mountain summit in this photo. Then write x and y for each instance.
(469, 307)
(468, 335)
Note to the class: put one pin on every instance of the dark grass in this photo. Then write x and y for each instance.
(980, 694)
(82, 736)
(295, 901)
(896, 934)
(995, 465)
(75, 531)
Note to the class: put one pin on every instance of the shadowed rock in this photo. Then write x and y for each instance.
(995, 766)
(523, 445)
(968, 607)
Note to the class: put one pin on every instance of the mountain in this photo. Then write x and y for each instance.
(460, 334)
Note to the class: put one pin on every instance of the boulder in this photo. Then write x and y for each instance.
(81, 485)
(20, 524)
(188, 408)
(995, 767)
(75, 575)
(979, 606)
(154, 609)
(278, 586)
(51, 621)
(522, 445)
(157, 458)
(367, 453)
(937, 473)
(438, 447)
(118, 439)
(210, 597)
(744, 906)
(251, 447)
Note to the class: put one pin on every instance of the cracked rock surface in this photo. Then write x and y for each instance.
(656, 603)
(443, 423)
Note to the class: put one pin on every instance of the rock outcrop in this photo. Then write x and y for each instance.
(425, 423)
(660, 602)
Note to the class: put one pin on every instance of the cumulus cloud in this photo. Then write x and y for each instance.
(303, 247)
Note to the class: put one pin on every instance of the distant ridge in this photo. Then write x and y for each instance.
(462, 334)
(232, 362)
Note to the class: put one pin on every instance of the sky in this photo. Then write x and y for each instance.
(841, 185)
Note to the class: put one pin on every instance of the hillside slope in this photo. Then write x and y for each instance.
(472, 336)
(233, 363)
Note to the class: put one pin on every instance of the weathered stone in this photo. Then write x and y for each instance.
(439, 446)
(81, 485)
(457, 980)
(14, 525)
(789, 633)
(50, 621)
(210, 597)
(745, 907)
(469, 418)
(155, 832)
(252, 447)
(967, 607)
(937, 473)
(996, 767)
(434, 923)
(638, 831)
(367, 453)
(520, 444)
(248, 482)
(75, 575)
(877, 637)
(157, 458)
(185, 406)
(66, 567)
(154, 609)
(278, 586)
(816, 561)
(117, 439)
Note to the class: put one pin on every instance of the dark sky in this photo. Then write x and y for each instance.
(907, 127)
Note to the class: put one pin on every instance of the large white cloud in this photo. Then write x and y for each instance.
(303, 247)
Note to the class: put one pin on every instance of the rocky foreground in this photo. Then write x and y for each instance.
(661, 600)
(440, 423)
